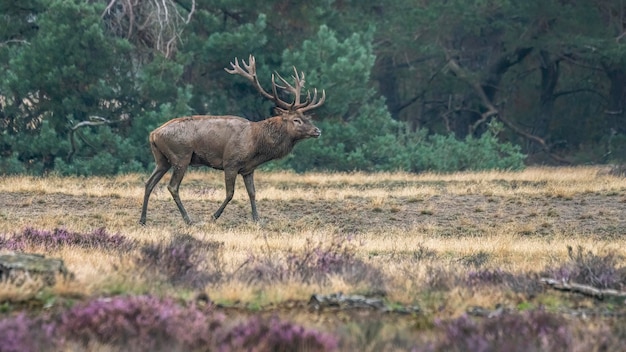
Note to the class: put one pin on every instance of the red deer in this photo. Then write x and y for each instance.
(230, 143)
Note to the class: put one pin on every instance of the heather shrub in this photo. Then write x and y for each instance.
(488, 277)
(20, 333)
(184, 260)
(527, 283)
(147, 323)
(257, 334)
(585, 267)
(139, 323)
(312, 264)
(617, 332)
(476, 260)
(527, 331)
(441, 278)
(57, 238)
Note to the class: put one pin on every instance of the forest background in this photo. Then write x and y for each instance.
(411, 85)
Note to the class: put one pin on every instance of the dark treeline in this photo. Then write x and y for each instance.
(411, 84)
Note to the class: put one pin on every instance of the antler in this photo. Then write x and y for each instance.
(313, 103)
(249, 72)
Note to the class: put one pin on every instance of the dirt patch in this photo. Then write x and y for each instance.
(444, 214)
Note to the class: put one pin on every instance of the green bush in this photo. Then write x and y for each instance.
(11, 165)
(441, 153)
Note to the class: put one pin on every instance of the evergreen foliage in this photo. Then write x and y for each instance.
(407, 84)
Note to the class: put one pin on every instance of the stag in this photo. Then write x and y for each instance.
(231, 143)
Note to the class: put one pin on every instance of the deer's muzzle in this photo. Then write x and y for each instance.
(316, 133)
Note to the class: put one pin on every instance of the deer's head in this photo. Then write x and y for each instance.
(293, 114)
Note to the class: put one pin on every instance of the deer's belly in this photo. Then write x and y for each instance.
(203, 160)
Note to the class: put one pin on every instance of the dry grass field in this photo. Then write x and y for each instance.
(434, 249)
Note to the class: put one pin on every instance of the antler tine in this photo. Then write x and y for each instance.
(308, 98)
(251, 66)
(296, 89)
(313, 103)
(279, 77)
(287, 85)
(234, 67)
(299, 81)
(274, 85)
(297, 77)
(289, 88)
(250, 74)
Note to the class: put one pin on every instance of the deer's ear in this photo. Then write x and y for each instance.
(284, 114)
(280, 111)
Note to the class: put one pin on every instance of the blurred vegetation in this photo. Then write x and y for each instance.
(411, 85)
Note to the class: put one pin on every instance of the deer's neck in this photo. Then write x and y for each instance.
(274, 140)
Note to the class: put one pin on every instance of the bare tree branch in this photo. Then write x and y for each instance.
(10, 41)
(93, 121)
(493, 111)
(156, 24)
(581, 90)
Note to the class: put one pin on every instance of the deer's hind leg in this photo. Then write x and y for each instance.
(174, 185)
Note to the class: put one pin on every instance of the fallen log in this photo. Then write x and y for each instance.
(583, 289)
(341, 301)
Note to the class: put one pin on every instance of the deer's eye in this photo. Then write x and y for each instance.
(297, 121)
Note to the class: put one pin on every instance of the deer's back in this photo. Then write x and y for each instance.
(208, 140)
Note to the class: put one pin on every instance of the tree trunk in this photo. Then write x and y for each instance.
(617, 98)
(549, 79)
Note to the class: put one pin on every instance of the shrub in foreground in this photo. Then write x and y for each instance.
(521, 283)
(184, 260)
(536, 330)
(146, 323)
(143, 323)
(17, 335)
(312, 264)
(58, 238)
(257, 334)
(585, 267)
